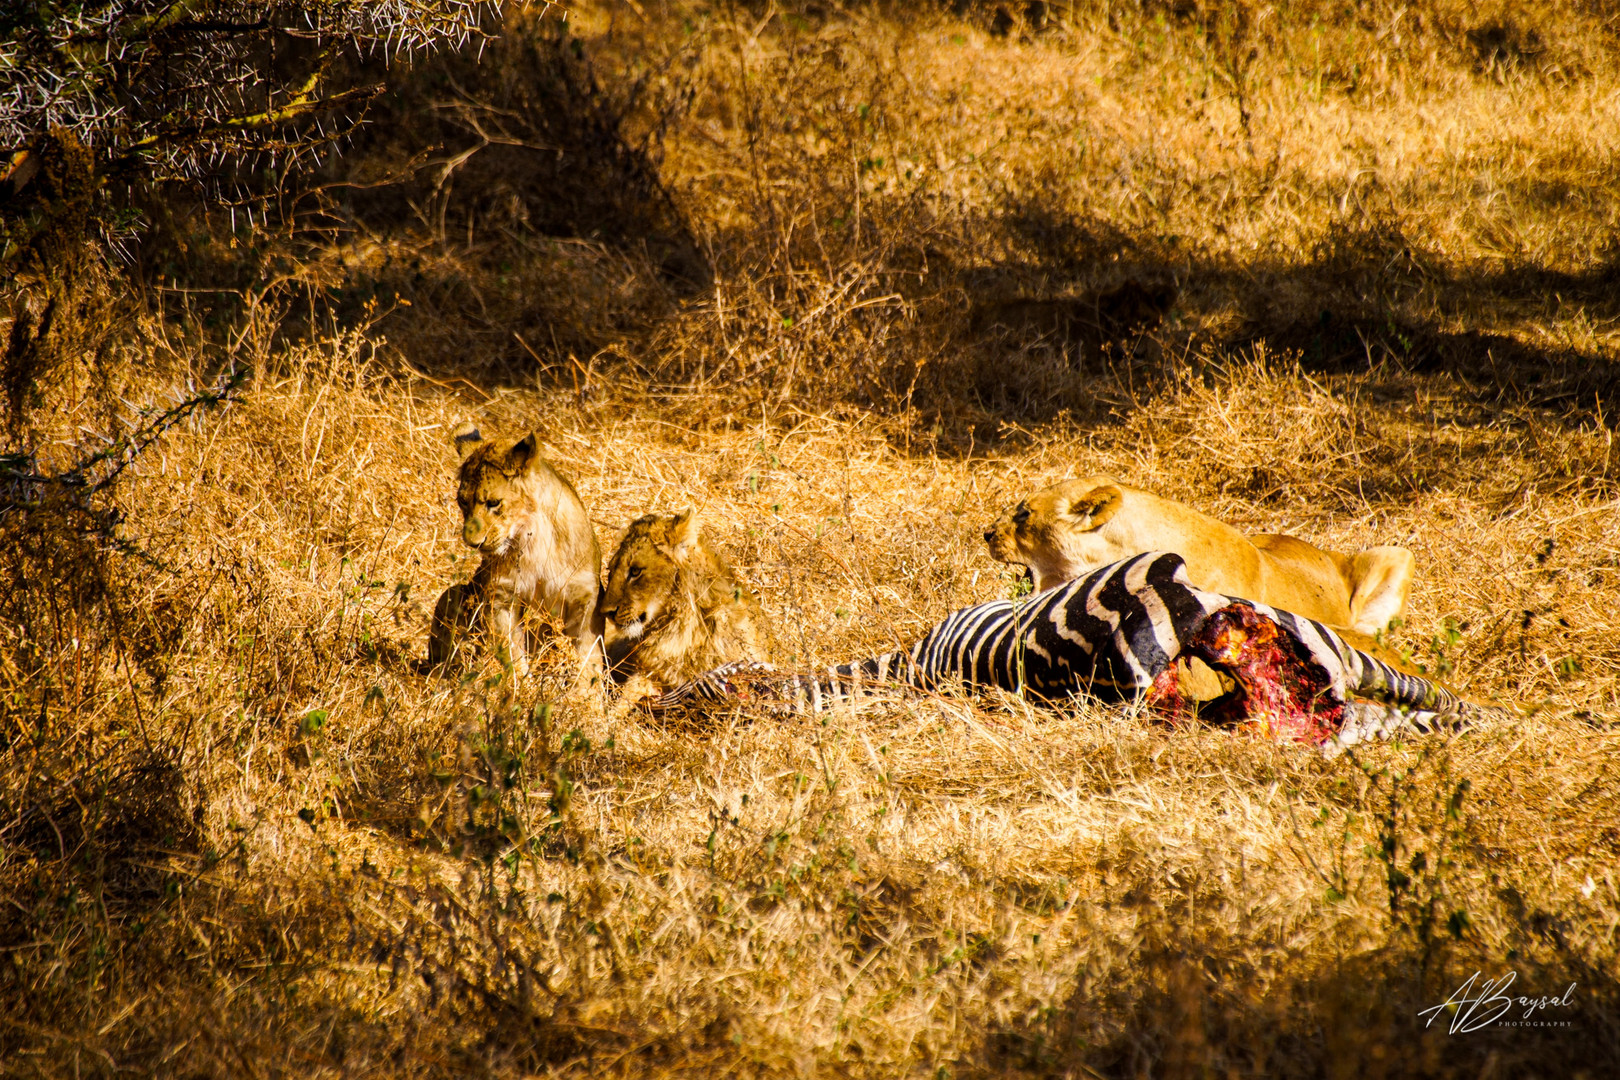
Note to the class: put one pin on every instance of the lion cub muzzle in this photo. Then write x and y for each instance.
(1003, 535)
(644, 570)
(629, 625)
(490, 507)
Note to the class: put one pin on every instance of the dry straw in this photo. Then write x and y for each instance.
(241, 833)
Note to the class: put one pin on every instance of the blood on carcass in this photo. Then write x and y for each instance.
(1279, 692)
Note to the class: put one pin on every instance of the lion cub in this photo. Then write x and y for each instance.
(538, 546)
(675, 607)
(1079, 525)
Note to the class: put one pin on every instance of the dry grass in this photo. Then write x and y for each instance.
(241, 834)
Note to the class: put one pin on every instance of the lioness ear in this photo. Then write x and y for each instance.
(466, 438)
(683, 532)
(524, 453)
(1092, 510)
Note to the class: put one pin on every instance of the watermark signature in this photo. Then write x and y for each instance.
(1477, 1004)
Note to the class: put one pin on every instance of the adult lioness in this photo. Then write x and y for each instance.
(674, 607)
(1079, 525)
(538, 550)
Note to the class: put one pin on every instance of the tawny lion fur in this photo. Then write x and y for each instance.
(538, 547)
(1079, 525)
(674, 608)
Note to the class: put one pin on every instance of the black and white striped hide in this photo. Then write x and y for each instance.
(1115, 635)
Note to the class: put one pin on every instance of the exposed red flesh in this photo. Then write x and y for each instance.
(1279, 693)
(1167, 697)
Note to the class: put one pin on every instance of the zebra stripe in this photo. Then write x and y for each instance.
(1358, 674)
(1109, 634)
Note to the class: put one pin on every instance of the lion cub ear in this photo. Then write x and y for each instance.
(683, 532)
(524, 453)
(466, 439)
(1092, 510)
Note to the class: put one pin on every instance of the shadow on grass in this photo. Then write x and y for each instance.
(1201, 1010)
(1092, 292)
(105, 831)
(549, 230)
(501, 197)
(490, 218)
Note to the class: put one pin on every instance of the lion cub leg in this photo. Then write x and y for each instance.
(581, 620)
(636, 689)
(455, 619)
(584, 627)
(1379, 580)
(503, 626)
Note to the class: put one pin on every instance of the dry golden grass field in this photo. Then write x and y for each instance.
(849, 279)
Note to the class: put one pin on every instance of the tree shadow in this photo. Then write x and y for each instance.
(490, 217)
(1189, 1008)
(1089, 290)
(541, 230)
(107, 830)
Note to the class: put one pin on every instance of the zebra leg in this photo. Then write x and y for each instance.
(1285, 684)
(1367, 721)
(731, 683)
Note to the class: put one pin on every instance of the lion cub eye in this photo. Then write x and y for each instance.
(1021, 516)
(493, 504)
(635, 572)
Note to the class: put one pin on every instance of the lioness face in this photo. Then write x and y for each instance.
(1051, 531)
(1005, 535)
(643, 574)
